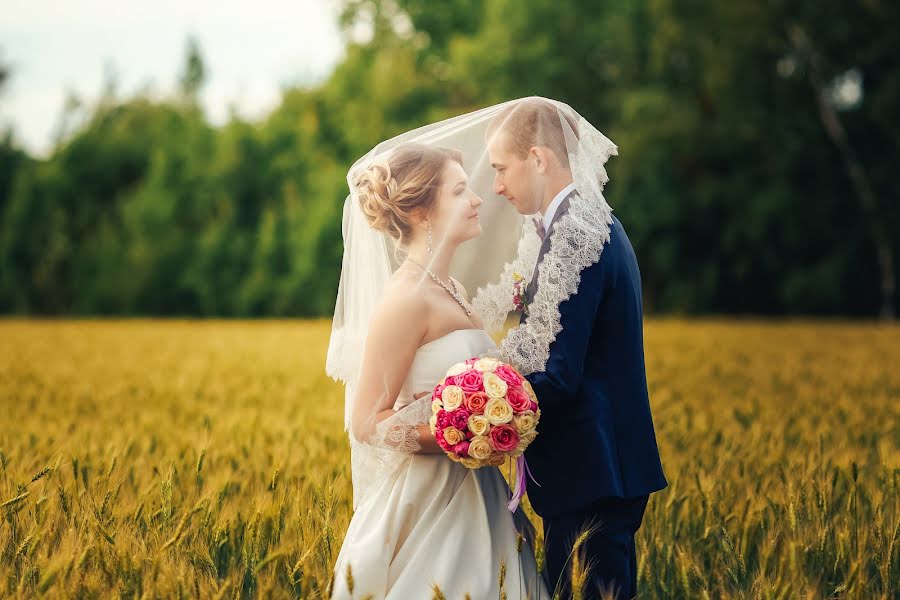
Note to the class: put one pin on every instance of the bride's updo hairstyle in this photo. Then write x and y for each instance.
(393, 190)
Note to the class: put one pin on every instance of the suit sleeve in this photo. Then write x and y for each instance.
(565, 365)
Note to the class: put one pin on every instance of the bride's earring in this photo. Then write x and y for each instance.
(428, 238)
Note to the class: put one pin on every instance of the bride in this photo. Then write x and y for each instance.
(420, 520)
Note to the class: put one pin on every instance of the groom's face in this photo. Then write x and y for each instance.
(513, 176)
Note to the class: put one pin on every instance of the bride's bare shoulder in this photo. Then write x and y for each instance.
(461, 288)
(408, 282)
(402, 298)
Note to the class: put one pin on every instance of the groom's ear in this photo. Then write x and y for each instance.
(538, 156)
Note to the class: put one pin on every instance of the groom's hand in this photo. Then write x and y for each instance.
(421, 395)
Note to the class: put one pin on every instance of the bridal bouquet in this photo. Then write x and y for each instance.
(483, 411)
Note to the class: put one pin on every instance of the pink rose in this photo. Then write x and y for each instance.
(474, 403)
(461, 449)
(438, 390)
(518, 400)
(469, 381)
(533, 407)
(439, 438)
(504, 438)
(509, 375)
(443, 419)
(460, 419)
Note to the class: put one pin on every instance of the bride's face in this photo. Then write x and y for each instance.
(455, 215)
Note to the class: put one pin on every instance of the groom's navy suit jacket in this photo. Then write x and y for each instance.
(595, 437)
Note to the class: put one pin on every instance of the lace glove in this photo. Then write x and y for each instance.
(400, 431)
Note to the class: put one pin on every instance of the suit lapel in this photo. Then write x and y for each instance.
(545, 246)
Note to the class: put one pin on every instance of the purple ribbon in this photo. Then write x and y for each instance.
(521, 482)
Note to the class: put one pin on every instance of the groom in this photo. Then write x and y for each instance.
(596, 460)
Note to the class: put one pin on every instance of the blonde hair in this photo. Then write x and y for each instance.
(535, 122)
(393, 190)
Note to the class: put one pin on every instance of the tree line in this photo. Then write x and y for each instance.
(758, 149)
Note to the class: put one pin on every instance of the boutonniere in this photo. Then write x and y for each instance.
(520, 298)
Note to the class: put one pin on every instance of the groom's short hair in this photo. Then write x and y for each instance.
(536, 122)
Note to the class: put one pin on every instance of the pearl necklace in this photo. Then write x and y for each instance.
(454, 293)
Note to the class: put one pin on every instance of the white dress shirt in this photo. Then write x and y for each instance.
(551, 210)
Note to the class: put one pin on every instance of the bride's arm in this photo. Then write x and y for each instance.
(395, 333)
(424, 437)
(427, 443)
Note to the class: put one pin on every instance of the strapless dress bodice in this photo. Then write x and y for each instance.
(432, 360)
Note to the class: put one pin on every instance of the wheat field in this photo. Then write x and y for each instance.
(206, 459)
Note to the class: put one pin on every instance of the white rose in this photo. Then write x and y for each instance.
(432, 423)
(453, 397)
(524, 422)
(478, 424)
(480, 448)
(494, 386)
(525, 440)
(498, 411)
(486, 364)
(453, 435)
(436, 406)
(458, 369)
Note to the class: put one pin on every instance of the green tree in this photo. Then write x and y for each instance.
(747, 181)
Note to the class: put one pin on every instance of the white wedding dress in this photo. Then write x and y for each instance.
(433, 521)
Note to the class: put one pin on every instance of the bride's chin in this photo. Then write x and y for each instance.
(469, 233)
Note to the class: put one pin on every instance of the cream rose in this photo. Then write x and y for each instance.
(453, 436)
(494, 386)
(524, 440)
(479, 424)
(436, 406)
(470, 463)
(524, 422)
(480, 448)
(496, 460)
(486, 364)
(453, 397)
(458, 369)
(432, 423)
(498, 411)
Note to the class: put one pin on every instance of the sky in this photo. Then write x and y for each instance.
(251, 50)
